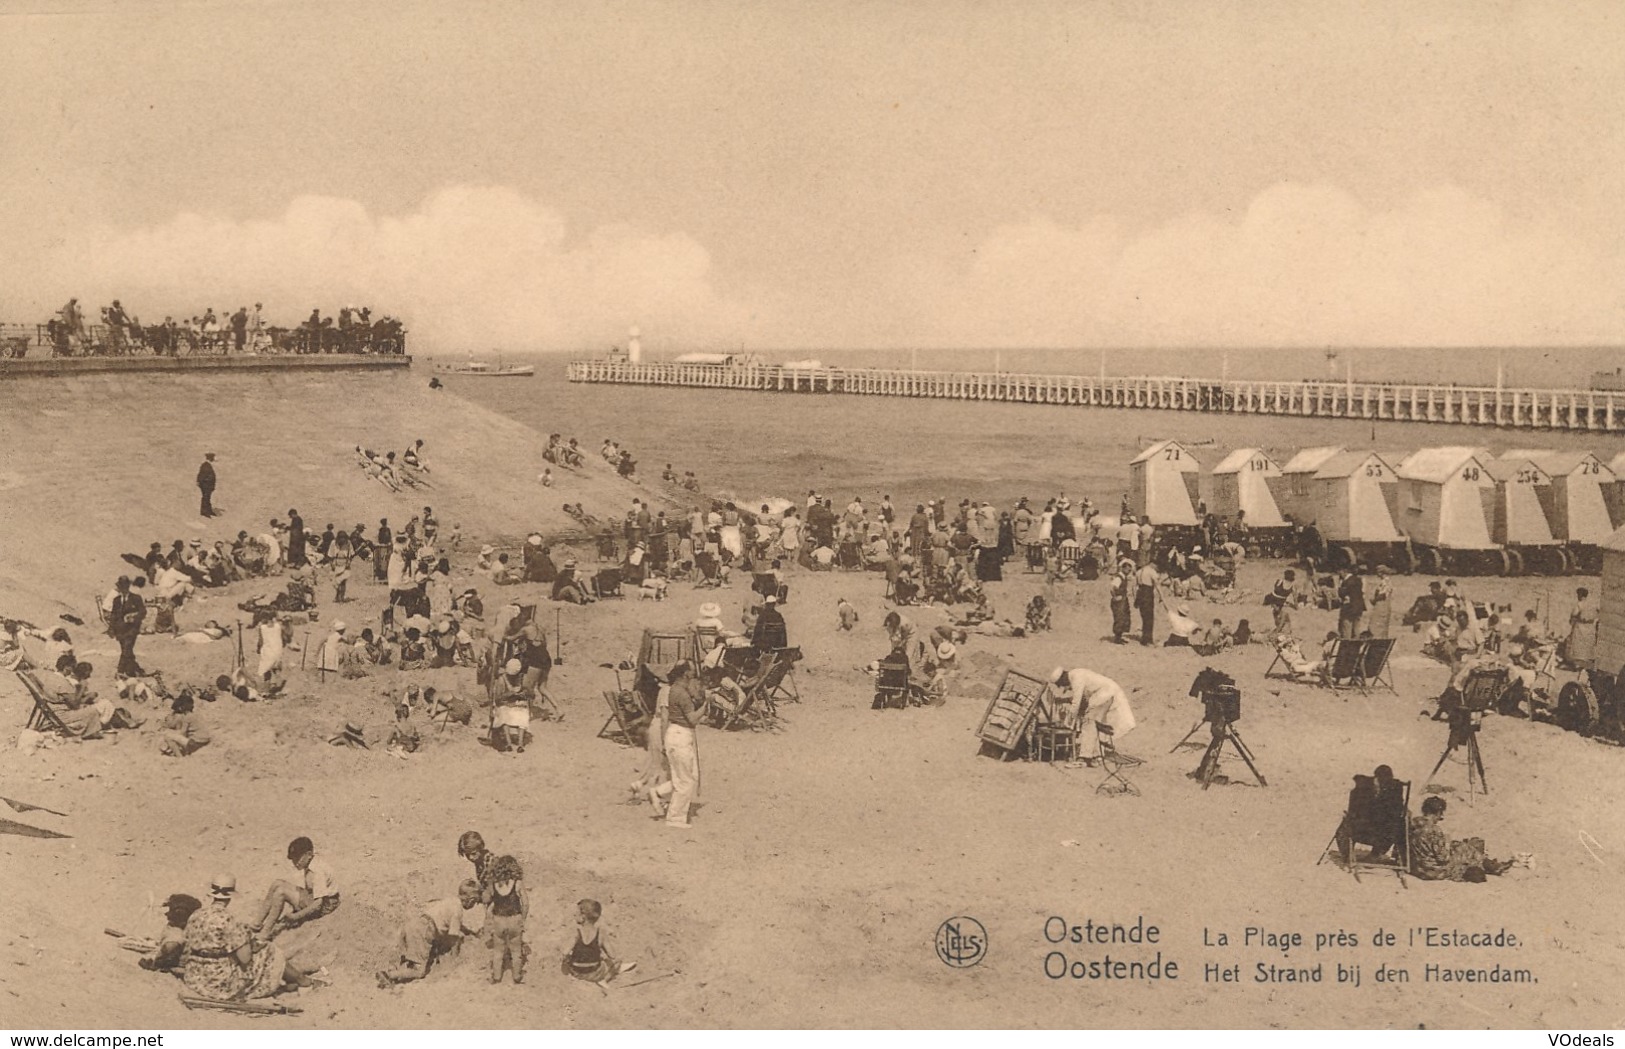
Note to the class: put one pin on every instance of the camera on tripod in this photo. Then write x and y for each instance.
(1221, 699)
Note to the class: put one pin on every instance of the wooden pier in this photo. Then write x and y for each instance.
(1513, 408)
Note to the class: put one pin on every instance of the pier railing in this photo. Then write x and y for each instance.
(1554, 409)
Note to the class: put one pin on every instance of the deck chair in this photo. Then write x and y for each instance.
(1114, 762)
(891, 685)
(707, 568)
(758, 708)
(1070, 560)
(1374, 670)
(43, 718)
(1344, 666)
(1365, 822)
(628, 718)
(781, 684)
(606, 582)
(1035, 557)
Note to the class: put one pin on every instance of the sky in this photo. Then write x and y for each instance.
(785, 175)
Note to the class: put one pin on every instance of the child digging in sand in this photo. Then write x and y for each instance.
(589, 958)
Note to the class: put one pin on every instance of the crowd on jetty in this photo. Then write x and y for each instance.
(120, 333)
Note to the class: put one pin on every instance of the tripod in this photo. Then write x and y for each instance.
(1223, 732)
(1464, 732)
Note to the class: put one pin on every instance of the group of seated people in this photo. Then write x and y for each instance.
(408, 471)
(1376, 818)
(560, 453)
(688, 481)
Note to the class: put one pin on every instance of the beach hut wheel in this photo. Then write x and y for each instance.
(1577, 708)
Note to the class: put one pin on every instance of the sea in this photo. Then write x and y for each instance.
(750, 446)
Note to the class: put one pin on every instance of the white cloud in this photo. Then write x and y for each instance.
(471, 268)
(1303, 265)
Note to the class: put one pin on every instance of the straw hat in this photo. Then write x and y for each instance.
(223, 886)
(513, 666)
(711, 610)
(339, 627)
(946, 650)
(534, 539)
(487, 550)
(1056, 675)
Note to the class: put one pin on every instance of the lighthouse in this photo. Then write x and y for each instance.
(634, 348)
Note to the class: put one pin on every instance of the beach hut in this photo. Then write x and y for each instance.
(1576, 502)
(1294, 485)
(1614, 494)
(1518, 518)
(1354, 496)
(1241, 483)
(1611, 603)
(1446, 499)
(1163, 484)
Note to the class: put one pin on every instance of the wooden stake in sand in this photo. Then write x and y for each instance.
(257, 1008)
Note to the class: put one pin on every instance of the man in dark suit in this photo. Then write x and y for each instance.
(124, 619)
(205, 484)
(770, 633)
(1351, 611)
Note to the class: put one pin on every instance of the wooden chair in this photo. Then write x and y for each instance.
(43, 718)
(1364, 823)
(1053, 736)
(1114, 762)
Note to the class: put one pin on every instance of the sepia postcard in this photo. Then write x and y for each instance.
(741, 515)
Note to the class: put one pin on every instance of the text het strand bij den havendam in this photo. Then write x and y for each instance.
(1376, 955)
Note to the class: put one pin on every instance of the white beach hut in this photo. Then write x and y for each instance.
(1241, 483)
(1446, 499)
(1518, 517)
(1575, 503)
(1163, 484)
(1293, 487)
(1355, 495)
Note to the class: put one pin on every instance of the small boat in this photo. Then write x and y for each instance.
(482, 368)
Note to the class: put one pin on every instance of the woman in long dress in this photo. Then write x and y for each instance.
(1380, 604)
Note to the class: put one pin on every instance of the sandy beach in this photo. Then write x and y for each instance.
(827, 852)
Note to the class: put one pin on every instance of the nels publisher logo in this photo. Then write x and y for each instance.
(961, 942)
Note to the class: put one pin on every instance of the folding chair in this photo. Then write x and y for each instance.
(758, 707)
(627, 717)
(1374, 669)
(1344, 665)
(607, 582)
(1280, 660)
(1071, 557)
(1368, 820)
(1114, 762)
(781, 684)
(1035, 557)
(43, 718)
